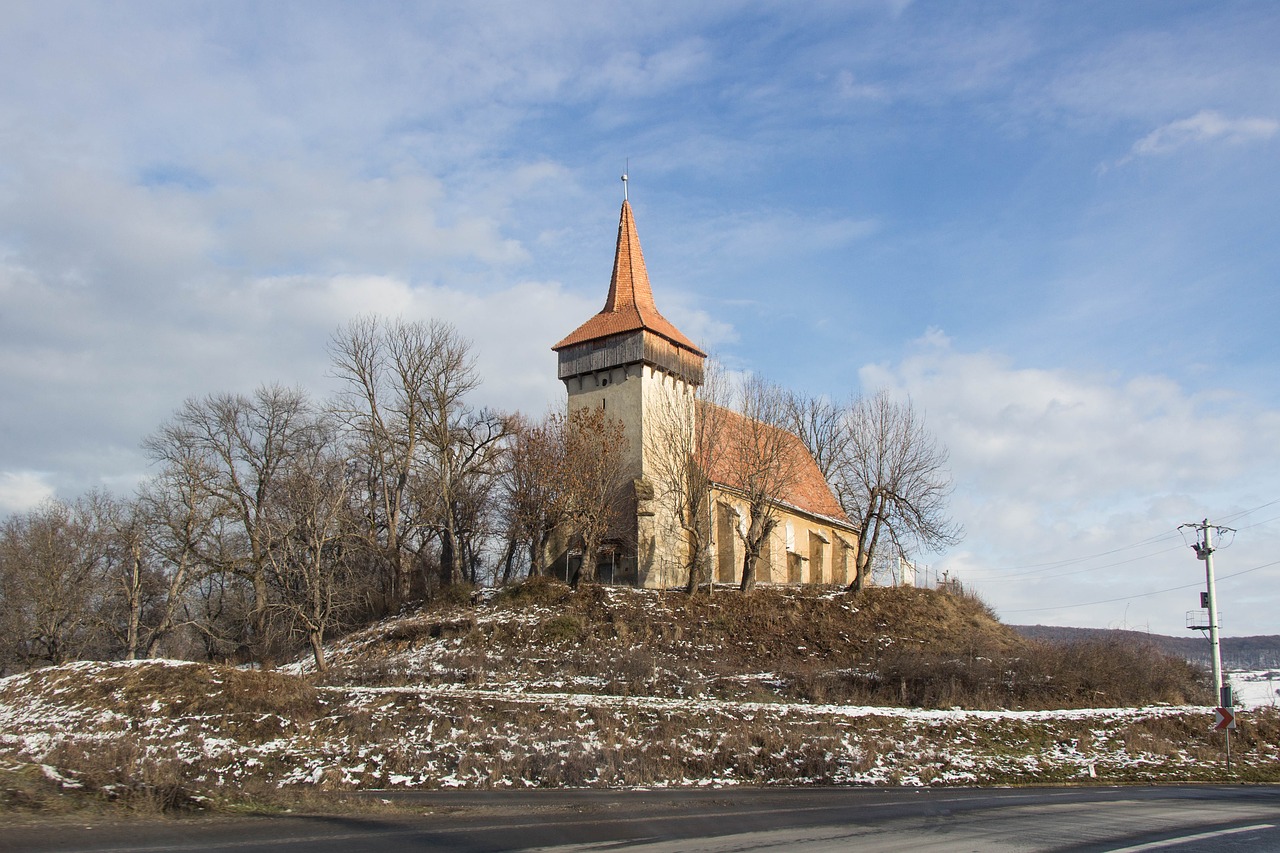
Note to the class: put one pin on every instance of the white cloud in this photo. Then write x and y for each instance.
(768, 233)
(192, 199)
(1145, 73)
(1051, 466)
(633, 73)
(849, 86)
(23, 490)
(88, 418)
(1074, 438)
(1204, 126)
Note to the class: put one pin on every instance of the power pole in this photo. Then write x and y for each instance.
(1204, 551)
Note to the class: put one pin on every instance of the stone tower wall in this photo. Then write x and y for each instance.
(635, 394)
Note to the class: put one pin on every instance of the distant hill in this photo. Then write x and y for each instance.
(1259, 652)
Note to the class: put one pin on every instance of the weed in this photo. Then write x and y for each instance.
(563, 629)
(534, 591)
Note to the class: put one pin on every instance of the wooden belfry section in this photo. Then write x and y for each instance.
(629, 329)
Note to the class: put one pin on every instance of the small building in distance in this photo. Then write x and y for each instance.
(638, 367)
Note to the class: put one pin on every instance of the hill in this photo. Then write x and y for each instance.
(889, 646)
(1238, 653)
(539, 686)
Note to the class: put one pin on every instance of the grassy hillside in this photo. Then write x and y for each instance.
(538, 686)
(888, 646)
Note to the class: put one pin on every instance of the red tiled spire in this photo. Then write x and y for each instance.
(630, 306)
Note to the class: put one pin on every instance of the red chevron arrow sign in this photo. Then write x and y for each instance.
(1223, 718)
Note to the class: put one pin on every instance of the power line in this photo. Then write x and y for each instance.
(1034, 569)
(1259, 523)
(1025, 575)
(1243, 513)
(1069, 561)
(1141, 594)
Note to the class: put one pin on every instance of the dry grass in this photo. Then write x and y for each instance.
(159, 737)
(887, 646)
(348, 740)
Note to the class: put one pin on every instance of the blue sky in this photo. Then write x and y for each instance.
(1051, 224)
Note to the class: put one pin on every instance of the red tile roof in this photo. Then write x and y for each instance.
(630, 305)
(806, 490)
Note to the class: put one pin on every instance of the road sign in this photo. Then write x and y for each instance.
(1223, 718)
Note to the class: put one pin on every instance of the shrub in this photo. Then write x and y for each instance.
(534, 591)
(455, 594)
(563, 628)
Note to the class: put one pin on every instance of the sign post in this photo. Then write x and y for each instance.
(1224, 720)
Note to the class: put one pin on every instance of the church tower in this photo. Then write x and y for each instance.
(631, 361)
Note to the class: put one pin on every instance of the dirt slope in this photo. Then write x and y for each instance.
(538, 686)
(896, 646)
(621, 640)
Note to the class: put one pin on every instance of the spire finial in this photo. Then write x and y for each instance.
(624, 181)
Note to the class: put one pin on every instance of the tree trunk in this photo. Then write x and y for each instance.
(259, 640)
(757, 533)
(699, 572)
(867, 549)
(135, 603)
(448, 558)
(172, 600)
(697, 549)
(508, 560)
(749, 560)
(316, 637)
(404, 579)
(586, 571)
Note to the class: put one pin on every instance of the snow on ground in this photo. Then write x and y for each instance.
(704, 706)
(1256, 688)
(450, 735)
(420, 705)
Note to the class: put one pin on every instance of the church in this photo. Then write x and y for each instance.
(638, 367)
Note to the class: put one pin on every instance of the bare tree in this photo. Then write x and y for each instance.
(686, 425)
(825, 429)
(240, 446)
(595, 477)
(310, 574)
(183, 524)
(51, 564)
(457, 437)
(533, 489)
(128, 571)
(383, 367)
(894, 482)
(217, 606)
(421, 445)
(757, 458)
(460, 486)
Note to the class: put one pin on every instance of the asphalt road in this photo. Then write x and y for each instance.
(1080, 820)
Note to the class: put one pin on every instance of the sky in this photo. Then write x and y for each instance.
(1051, 226)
